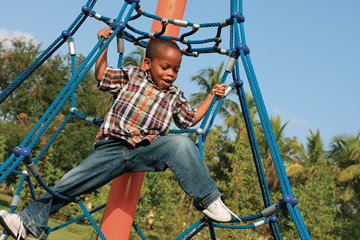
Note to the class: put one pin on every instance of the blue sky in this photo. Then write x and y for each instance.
(306, 54)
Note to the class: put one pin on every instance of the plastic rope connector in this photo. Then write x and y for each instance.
(290, 199)
(239, 17)
(115, 25)
(269, 210)
(23, 151)
(239, 83)
(272, 219)
(86, 10)
(66, 34)
(243, 47)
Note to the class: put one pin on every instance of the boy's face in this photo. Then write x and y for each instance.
(163, 69)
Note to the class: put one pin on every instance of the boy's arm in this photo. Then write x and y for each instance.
(218, 90)
(101, 63)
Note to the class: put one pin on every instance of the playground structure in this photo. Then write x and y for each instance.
(122, 28)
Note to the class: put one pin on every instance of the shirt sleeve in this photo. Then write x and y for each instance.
(113, 80)
(184, 115)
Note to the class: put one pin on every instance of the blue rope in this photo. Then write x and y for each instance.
(138, 231)
(236, 36)
(42, 58)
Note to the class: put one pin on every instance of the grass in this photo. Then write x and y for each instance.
(75, 231)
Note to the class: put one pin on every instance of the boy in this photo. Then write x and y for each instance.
(133, 139)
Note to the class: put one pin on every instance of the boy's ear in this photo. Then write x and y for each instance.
(147, 63)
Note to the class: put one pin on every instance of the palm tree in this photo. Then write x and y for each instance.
(285, 145)
(206, 79)
(305, 157)
(234, 118)
(135, 58)
(345, 155)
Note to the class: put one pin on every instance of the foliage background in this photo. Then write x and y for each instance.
(327, 190)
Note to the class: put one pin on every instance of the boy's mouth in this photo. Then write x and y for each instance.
(167, 82)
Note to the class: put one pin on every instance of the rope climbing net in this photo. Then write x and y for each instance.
(125, 32)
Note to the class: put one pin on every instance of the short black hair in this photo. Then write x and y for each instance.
(159, 44)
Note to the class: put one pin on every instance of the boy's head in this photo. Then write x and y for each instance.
(162, 61)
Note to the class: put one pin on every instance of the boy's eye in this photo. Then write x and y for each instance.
(163, 68)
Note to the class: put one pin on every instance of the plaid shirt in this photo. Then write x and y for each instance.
(141, 110)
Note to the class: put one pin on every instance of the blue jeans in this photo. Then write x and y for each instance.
(112, 158)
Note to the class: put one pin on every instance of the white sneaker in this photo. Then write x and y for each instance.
(218, 212)
(13, 225)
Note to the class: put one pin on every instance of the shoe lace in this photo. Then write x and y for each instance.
(221, 204)
(20, 230)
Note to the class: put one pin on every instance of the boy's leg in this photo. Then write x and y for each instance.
(103, 165)
(182, 156)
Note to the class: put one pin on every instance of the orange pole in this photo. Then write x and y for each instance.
(125, 190)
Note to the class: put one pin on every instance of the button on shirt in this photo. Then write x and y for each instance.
(141, 109)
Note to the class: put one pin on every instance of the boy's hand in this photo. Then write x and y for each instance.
(105, 32)
(219, 90)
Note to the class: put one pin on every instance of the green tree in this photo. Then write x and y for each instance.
(24, 107)
(305, 157)
(135, 58)
(234, 118)
(206, 79)
(345, 155)
(285, 145)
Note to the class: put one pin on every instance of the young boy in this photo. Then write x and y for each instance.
(133, 138)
